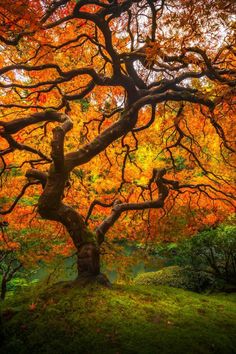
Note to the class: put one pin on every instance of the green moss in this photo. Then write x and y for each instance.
(171, 276)
(123, 319)
(90, 237)
(176, 277)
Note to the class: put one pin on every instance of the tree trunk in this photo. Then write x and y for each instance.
(88, 259)
(88, 265)
(51, 207)
(3, 288)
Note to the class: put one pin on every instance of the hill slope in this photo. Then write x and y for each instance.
(124, 319)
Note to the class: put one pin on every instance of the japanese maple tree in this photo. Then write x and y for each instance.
(140, 92)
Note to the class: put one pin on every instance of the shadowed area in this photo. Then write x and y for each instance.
(122, 319)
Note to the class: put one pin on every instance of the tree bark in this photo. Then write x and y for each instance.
(51, 207)
(3, 288)
(88, 259)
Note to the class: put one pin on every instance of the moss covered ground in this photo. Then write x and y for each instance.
(123, 319)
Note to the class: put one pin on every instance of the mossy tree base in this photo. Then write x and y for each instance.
(84, 280)
(87, 279)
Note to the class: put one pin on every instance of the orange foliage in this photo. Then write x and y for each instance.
(195, 146)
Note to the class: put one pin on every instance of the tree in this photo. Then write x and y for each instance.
(150, 73)
(9, 266)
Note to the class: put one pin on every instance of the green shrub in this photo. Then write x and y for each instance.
(212, 251)
(177, 277)
(20, 283)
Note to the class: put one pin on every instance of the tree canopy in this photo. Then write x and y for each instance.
(118, 109)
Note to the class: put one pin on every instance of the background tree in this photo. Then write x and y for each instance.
(144, 92)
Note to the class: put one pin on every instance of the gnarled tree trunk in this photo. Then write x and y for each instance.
(51, 207)
(3, 288)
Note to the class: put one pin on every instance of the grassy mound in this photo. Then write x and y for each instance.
(123, 319)
(176, 277)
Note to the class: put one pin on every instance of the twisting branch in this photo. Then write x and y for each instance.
(36, 175)
(92, 206)
(150, 122)
(16, 125)
(15, 145)
(119, 207)
(59, 133)
(17, 199)
(146, 68)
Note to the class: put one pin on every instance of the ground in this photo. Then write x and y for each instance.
(123, 319)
